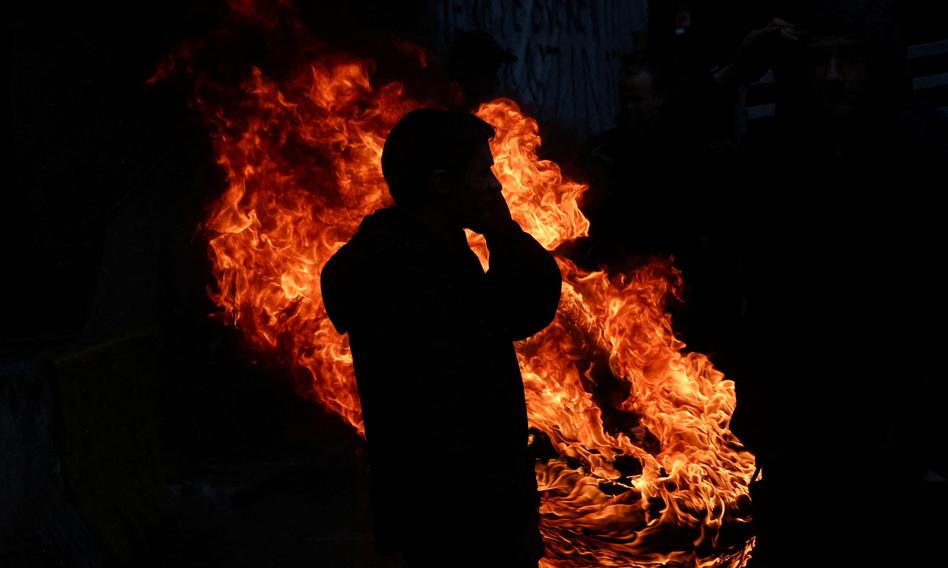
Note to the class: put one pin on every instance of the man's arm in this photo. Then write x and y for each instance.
(524, 281)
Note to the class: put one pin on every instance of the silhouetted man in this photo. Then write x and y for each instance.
(431, 337)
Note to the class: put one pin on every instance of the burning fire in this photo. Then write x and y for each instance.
(641, 468)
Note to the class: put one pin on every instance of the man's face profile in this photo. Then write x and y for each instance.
(477, 181)
(474, 190)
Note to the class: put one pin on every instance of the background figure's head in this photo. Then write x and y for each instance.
(837, 80)
(474, 63)
(847, 68)
(440, 160)
(831, 78)
(640, 98)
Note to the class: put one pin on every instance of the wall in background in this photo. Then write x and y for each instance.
(568, 53)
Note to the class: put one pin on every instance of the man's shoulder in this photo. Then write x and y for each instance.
(393, 248)
(376, 267)
(381, 236)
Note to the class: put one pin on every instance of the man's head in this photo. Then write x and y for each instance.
(834, 77)
(845, 68)
(441, 160)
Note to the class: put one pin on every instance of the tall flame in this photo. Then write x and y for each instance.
(642, 468)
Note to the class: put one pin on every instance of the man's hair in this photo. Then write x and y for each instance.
(425, 140)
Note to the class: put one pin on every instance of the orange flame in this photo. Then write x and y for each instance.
(648, 475)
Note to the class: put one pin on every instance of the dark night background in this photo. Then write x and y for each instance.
(135, 431)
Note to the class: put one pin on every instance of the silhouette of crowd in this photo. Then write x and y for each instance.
(809, 241)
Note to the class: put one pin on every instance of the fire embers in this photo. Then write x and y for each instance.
(636, 464)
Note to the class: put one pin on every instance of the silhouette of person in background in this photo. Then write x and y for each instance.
(619, 190)
(431, 336)
(474, 63)
(657, 190)
(833, 329)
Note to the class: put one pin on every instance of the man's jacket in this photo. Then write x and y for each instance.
(442, 396)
